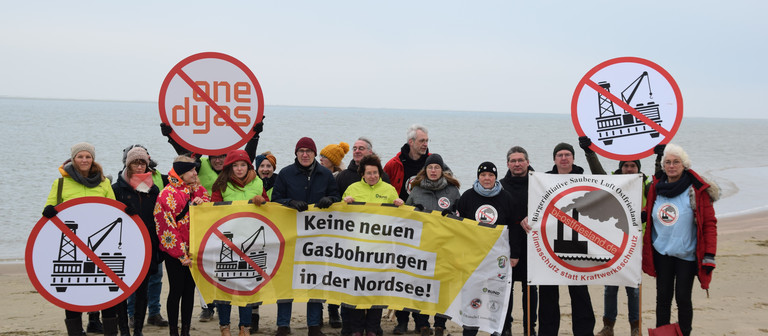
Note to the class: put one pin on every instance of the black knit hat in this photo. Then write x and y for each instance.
(637, 162)
(562, 146)
(487, 166)
(434, 158)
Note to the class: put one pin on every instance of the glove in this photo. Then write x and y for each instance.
(258, 200)
(298, 205)
(165, 129)
(584, 143)
(708, 263)
(643, 216)
(49, 211)
(324, 202)
(129, 210)
(258, 128)
(419, 207)
(447, 212)
(659, 149)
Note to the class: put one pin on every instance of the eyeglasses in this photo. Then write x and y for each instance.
(421, 141)
(304, 151)
(517, 161)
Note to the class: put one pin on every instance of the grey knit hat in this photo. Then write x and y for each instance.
(82, 146)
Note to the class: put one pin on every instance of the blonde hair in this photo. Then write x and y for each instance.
(183, 158)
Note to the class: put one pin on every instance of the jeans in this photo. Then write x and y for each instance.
(153, 294)
(674, 277)
(314, 314)
(633, 303)
(225, 311)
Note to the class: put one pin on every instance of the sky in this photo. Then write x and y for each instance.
(499, 56)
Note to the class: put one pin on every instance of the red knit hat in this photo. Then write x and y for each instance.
(237, 155)
(306, 142)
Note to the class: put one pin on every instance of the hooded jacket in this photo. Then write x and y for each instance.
(703, 193)
(395, 167)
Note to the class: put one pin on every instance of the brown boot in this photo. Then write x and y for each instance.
(244, 331)
(635, 328)
(315, 331)
(439, 331)
(425, 331)
(607, 327)
(225, 330)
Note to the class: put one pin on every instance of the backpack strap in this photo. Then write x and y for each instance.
(59, 190)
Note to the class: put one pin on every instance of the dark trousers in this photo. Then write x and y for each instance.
(182, 290)
(421, 320)
(674, 277)
(534, 301)
(581, 310)
(106, 313)
(363, 320)
(140, 301)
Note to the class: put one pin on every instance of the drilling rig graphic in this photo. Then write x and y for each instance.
(229, 268)
(68, 271)
(612, 125)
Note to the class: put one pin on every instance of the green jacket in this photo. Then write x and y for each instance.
(250, 190)
(206, 174)
(72, 189)
(381, 192)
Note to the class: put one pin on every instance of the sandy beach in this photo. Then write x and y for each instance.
(737, 303)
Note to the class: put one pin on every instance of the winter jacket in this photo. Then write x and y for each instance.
(397, 166)
(703, 193)
(574, 170)
(496, 210)
(517, 187)
(172, 215)
(72, 189)
(435, 200)
(237, 193)
(143, 204)
(304, 184)
(350, 175)
(381, 192)
(206, 174)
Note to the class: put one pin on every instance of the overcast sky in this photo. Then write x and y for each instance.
(506, 56)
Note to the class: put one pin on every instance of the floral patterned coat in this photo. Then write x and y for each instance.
(174, 234)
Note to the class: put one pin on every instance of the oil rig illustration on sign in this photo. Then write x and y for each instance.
(69, 271)
(229, 268)
(611, 125)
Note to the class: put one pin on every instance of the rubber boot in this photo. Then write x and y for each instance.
(94, 325)
(173, 330)
(634, 328)
(607, 327)
(244, 331)
(185, 330)
(110, 326)
(225, 330)
(74, 327)
(315, 331)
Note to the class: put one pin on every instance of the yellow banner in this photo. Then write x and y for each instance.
(362, 255)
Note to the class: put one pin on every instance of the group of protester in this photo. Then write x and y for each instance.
(674, 252)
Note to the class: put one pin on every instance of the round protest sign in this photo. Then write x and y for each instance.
(212, 101)
(241, 252)
(90, 256)
(627, 106)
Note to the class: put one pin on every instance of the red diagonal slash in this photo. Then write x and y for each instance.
(83, 247)
(247, 259)
(231, 123)
(626, 107)
(582, 229)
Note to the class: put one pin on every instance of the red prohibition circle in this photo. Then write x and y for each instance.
(211, 55)
(29, 256)
(554, 256)
(215, 227)
(654, 66)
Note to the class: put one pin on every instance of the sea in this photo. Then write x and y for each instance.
(38, 134)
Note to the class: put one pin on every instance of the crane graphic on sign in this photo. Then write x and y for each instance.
(612, 125)
(69, 271)
(229, 268)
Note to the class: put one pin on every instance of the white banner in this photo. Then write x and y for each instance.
(586, 229)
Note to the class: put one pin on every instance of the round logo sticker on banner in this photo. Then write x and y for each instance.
(627, 106)
(241, 253)
(90, 256)
(212, 101)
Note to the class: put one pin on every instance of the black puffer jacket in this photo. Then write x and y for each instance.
(144, 205)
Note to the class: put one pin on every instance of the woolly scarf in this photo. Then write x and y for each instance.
(139, 182)
(91, 181)
(440, 184)
(487, 192)
(242, 182)
(672, 189)
(269, 182)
